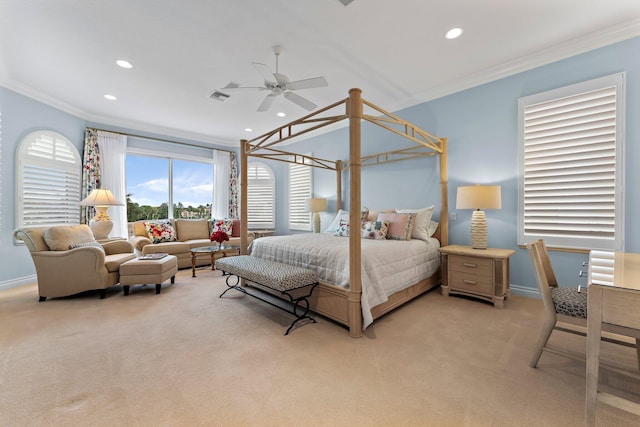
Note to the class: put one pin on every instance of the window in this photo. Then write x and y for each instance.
(155, 183)
(260, 196)
(299, 191)
(49, 176)
(572, 145)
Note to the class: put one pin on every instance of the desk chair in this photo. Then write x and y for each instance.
(561, 304)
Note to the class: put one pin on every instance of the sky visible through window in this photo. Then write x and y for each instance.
(148, 181)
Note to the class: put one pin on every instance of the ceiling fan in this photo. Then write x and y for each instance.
(277, 84)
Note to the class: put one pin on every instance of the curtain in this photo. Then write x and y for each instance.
(221, 171)
(90, 171)
(113, 151)
(234, 211)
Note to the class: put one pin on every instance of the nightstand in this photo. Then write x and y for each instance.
(480, 273)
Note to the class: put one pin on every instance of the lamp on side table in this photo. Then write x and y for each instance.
(101, 224)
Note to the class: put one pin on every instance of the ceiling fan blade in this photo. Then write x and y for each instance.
(254, 88)
(297, 99)
(264, 71)
(266, 103)
(307, 83)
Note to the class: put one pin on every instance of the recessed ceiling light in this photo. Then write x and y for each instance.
(281, 114)
(453, 33)
(248, 130)
(124, 64)
(110, 97)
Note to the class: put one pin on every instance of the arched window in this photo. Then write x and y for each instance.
(261, 189)
(49, 174)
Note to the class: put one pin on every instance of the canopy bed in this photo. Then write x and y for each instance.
(345, 304)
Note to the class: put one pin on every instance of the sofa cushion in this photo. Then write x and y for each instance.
(171, 248)
(62, 237)
(189, 229)
(113, 262)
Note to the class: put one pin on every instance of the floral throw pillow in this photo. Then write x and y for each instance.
(376, 230)
(160, 231)
(343, 229)
(225, 225)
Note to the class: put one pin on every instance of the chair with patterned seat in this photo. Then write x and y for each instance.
(562, 304)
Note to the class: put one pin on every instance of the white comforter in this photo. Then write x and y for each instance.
(387, 265)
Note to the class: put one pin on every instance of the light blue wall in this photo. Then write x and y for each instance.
(20, 116)
(480, 124)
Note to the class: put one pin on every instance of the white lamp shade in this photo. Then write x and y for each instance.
(316, 205)
(479, 197)
(101, 197)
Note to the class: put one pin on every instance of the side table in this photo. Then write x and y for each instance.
(212, 251)
(480, 273)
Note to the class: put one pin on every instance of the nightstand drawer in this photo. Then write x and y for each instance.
(471, 265)
(471, 282)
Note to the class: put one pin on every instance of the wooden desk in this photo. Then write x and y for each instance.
(614, 299)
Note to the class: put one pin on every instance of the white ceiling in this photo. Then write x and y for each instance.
(63, 53)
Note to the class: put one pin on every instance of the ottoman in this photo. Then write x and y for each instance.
(142, 271)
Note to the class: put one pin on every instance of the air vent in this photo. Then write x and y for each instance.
(219, 96)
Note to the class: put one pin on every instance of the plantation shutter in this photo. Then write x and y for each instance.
(571, 166)
(260, 197)
(299, 192)
(49, 181)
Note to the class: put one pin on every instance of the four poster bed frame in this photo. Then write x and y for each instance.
(340, 304)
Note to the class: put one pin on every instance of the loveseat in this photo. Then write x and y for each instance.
(178, 236)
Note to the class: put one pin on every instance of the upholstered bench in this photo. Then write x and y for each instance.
(141, 271)
(296, 283)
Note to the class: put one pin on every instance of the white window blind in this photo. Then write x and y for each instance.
(571, 170)
(260, 196)
(300, 186)
(49, 176)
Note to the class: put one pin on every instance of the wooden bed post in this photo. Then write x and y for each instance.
(354, 310)
(444, 184)
(338, 185)
(244, 209)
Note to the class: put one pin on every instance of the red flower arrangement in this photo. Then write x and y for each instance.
(219, 236)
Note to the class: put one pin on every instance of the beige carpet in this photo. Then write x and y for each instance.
(188, 358)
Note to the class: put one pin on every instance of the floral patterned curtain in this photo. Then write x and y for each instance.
(233, 187)
(90, 171)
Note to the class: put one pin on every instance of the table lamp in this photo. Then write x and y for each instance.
(316, 205)
(101, 224)
(479, 197)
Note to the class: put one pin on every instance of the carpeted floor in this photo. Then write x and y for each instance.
(188, 358)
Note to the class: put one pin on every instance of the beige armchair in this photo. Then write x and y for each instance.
(68, 260)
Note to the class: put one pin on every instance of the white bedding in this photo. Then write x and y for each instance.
(387, 265)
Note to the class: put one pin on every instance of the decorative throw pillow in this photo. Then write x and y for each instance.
(343, 215)
(235, 228)
(343, 229)
(61, 237)
(376, 230)
(400, 225)
(160, 231)
(422, 222)
(85, 244)
(225, 225)
(433, 226)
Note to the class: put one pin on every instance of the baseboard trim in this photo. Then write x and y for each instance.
(8, 284)
(524, 291)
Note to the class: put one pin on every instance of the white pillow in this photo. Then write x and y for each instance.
(336, 222)
(421, 225)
